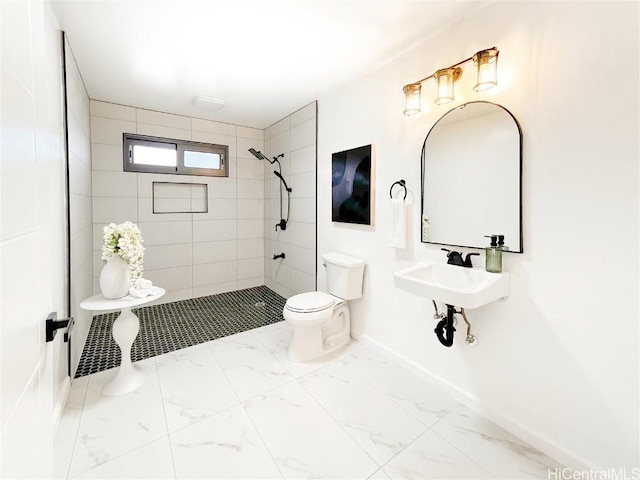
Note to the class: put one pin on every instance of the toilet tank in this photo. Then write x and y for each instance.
(344, 275)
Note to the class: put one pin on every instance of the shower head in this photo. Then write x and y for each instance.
(258, 155)
(279, 175)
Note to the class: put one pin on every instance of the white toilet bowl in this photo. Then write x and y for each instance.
(320, 323)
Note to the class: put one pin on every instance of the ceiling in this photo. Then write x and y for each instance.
(264, 58)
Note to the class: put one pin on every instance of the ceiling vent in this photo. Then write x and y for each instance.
(208, 103)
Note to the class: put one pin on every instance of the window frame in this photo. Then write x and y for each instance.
(129, 140)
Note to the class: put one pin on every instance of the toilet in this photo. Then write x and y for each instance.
(321, 321)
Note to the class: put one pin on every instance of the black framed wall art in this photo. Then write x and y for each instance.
(352, 185)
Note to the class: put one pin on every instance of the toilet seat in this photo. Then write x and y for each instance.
(321, 322)
(310, 302)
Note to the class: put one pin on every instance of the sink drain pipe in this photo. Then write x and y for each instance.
(446, 326)
(445, 329)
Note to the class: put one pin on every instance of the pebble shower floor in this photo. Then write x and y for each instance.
(172, 326)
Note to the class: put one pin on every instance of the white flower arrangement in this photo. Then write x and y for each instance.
(126, 241)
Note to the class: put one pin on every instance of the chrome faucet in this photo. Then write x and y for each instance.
(455, 258)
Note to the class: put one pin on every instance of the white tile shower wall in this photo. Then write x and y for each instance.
(189, 254)
(295, 136)
(81, 189)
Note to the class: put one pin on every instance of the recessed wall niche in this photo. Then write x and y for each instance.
(174, 197)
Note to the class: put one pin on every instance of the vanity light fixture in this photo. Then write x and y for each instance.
(445, 79)
(486, 63)
(412, 98)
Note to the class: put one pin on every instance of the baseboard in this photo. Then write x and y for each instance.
(546, 446)
(58, 409)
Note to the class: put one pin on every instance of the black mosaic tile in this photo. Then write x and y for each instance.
(172, 326)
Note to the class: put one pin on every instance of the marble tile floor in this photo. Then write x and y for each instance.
(237, 408)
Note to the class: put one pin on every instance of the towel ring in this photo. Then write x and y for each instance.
(402, 183)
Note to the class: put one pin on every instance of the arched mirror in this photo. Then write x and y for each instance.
(472, 178)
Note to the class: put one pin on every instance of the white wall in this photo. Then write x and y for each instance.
(80, 219)
(295, 136)
(557, 361)
(188, 254)
(32, 235)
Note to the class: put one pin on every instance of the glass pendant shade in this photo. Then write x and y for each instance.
(412, 98)
(444, 81)
(486, 63)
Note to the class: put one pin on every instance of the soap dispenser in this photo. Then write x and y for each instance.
(501, 244)
(493, 258)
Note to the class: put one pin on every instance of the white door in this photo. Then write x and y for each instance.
(32, 235)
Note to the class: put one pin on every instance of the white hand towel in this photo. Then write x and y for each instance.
(397, 237)
(143, 283)
(142, 288)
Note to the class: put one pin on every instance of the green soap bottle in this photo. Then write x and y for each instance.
(501, 244)
(493, 257)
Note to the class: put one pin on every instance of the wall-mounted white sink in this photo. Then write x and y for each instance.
(453, 285)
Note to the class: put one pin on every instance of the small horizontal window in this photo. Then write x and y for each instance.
(201, 159)
(165, 155)
(154, 154)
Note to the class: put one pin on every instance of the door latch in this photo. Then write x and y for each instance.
(52, 325)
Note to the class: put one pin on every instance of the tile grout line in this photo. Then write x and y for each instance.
(463, 453)
(298, 380)
(403, 408)
(293, 378)
(111, 459)
(77, 431)
(208, 348)
(429, 429)
(380, 467)
(193, 219)
(261, 439)
(338, 423)
(392, 398)
(241, 403)
(166, 421)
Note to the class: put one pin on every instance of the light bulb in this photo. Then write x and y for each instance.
(412, 98)
(444, 81)
(486, 63)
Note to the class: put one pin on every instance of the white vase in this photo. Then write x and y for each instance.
(114, 278)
